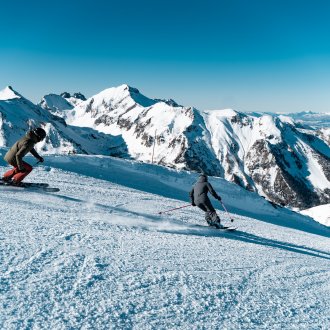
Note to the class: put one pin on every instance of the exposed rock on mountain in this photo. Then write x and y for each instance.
(284, 161)
(18, 115)
(269, 154)
(56, 104)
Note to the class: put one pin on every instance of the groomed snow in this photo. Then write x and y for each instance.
(97, 255)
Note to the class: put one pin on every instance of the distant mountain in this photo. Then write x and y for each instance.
(56, 104)
(286, 161)
(313, 119)
(18, 115)
(269, 154)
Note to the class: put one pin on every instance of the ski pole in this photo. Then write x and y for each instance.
(231, 219)
(177, 208)
(39, 161)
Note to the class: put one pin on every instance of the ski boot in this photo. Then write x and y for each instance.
(213, 220)
(18, 184)
(6, 181)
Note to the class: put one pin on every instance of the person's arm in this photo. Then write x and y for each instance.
(213, 192)
(191, 195)
(20, 154)
(36, 155)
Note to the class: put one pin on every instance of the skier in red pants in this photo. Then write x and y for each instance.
(16, 153)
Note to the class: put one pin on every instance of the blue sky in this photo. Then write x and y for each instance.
(244, 54)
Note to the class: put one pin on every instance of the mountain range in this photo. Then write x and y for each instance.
(282, 157)
(18, 114)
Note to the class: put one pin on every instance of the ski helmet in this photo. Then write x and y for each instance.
(40, 133)
(203, 175)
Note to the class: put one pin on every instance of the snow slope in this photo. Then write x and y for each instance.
(97, 255)
(319, 213)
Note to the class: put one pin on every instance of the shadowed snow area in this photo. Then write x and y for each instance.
(97, 255)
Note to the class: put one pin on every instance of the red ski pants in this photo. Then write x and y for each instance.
(18, 176)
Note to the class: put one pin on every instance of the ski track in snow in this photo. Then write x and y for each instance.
(96, 255)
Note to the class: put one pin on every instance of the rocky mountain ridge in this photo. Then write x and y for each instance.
(285, 162)
(271, 154)
(18, 115)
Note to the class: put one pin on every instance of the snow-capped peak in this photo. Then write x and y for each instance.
(263, 152)
(9, 93)
(120, 93)
(169, 102)
(58, 104)
(222, 112)
(286, 119)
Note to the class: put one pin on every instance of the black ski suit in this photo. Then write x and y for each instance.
(198, 197)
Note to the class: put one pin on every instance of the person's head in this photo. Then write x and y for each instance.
(39, 133)
(202, 177)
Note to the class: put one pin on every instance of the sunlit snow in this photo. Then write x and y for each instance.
(97, 255)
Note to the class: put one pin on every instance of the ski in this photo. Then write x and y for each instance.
(32, 185)
(36, 184)
(225, 228)
(229, 228)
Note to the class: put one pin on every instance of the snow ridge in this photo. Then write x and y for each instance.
(272, 154)
(266, 153)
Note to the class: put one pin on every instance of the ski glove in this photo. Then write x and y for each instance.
(41, 160)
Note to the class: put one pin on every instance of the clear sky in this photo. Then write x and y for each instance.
(248, 55)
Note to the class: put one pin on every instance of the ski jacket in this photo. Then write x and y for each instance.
(26, 144)
(198, 194)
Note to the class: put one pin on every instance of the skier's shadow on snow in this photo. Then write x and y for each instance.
(190, 229)
(235, 235)
(181, 228)
(254, 239)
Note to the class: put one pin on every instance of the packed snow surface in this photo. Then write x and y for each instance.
(97, 255)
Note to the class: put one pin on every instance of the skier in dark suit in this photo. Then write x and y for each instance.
(198, 197)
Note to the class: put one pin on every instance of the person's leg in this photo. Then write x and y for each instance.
(18, 177)
(207, 211)
(9, 174)
(214, 219)
(203, 208)
(208, 218)
(209, 207)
